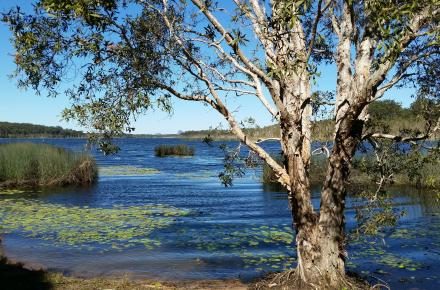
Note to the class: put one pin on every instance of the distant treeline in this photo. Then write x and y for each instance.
(391, 114)
(18, 130)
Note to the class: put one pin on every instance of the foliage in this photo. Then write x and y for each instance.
(384, 163)
(318, 166)
(128, 63)
(387, 163)
(268, 175)
(374, 214)
(173, 150)
(64, 31)
(234, 164)
(42, 164)
(388, 109)
(8, 130)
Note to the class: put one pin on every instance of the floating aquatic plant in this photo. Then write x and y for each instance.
(11, 191)
(250, 244)
(198, 175)
(126, 171)
(395, 261)
(118, 227)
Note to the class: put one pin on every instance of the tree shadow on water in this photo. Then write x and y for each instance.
(14, 276)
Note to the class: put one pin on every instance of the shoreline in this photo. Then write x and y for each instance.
(17, 275)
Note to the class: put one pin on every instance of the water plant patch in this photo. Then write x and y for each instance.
(11, 191)
(126, 171)
(117, 227)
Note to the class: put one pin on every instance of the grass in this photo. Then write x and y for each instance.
(173, 150)
(30, 164)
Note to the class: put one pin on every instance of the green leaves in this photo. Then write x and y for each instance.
(89, 10)
(239, 38)
(119, 60)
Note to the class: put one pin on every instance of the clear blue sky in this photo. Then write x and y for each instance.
(25, 106)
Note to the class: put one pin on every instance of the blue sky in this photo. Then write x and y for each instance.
(25, 106)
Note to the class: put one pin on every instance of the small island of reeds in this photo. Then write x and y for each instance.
(31, 164)
(173, 150)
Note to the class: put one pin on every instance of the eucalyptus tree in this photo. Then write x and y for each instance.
(123, 57)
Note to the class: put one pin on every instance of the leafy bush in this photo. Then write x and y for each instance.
(318, 166)
(174, 150)
(269, 176)
(30, 164)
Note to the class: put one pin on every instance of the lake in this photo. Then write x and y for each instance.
(170, 218)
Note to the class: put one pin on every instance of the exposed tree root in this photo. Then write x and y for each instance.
(291, 280)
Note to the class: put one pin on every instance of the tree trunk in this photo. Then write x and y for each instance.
(320, 239)
(320, 263)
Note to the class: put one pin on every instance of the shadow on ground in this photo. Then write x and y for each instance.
(16, 277)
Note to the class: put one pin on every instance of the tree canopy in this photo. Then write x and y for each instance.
(128, 56)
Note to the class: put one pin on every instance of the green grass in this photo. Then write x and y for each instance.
(30, 164)
(173, 150)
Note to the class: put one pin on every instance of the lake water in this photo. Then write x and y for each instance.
(192, 227)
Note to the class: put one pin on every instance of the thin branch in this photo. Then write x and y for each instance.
(417, 23)
(219, 106)
(319, 13)
(258, 22)
(257, 83)
(334, 20)
(268, 139)
(321, 150)
(401, 73)
(235, 47)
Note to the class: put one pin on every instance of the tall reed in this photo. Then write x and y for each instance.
(41, 164)
(174, 150)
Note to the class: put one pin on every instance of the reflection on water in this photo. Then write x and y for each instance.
(243, 231)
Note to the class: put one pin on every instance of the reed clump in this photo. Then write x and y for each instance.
(31, 164)
(173, 150)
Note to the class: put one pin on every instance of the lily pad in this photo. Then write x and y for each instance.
(118, 227)
(11, 191)
(126, 171)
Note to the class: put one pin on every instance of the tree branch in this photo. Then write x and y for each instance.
(407, 139)
(414, 27)
(401, 73)
(235, 47)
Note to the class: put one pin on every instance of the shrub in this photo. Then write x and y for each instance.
(174, 150)
(30, 164)
(269, 176)
(317, 170)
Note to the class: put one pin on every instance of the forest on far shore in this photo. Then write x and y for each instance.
(389, 116)
(25, 130)
(392, 115)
